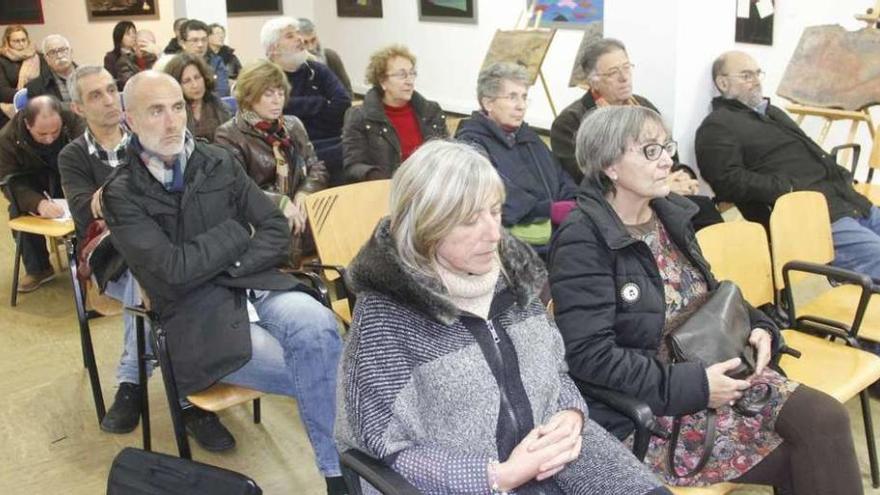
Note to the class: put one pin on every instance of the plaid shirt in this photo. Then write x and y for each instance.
(111, 157)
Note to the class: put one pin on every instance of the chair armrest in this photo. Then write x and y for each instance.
(857, 150)
(317, 284)
(634, 409)
(376, 473)
(319, 266)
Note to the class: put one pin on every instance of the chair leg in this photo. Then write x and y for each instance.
(85, 334)
(257, 418)
(16, 266)
(142, 379)
(171, 394)
(57, 249)
(869, 437)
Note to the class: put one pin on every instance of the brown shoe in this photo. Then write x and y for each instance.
(30, 283)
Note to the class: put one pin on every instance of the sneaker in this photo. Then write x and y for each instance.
(336, 485)
(30, 283)
(125, 412)
(206, 429)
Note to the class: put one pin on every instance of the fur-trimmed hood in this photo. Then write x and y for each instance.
(379, 268)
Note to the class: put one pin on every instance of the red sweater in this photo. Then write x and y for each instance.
(406, 123)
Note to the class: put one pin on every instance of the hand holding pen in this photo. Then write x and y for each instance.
(48, 208)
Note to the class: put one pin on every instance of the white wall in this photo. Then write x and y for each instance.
(244, 32)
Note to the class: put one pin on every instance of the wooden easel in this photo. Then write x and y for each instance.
(522, 22)
(872, 17)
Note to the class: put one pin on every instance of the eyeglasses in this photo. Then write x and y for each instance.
(749, 75)
(197, 41)
(404, 75)
(515, 98)
(57, 52)
(652, 151)
(616, 72)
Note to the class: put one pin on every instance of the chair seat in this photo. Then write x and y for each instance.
(717, 489)
(870, 191)
(840, 304)
(41, 226)
(340, 307)
(832, 367)
(222, 395)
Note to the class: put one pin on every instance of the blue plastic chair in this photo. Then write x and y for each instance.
(231, 103)
(20, 99)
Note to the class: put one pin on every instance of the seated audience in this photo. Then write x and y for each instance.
(175, 44)
(58, 66)
(532, 177)
(751, 152)
(85, 164)
(195, 41)
(124, 41)
(142, 58)
(274, 148)
(625, 268)
(19, 63)
(208, 267)
(324, 55)
(205, 112)
(609, 71)
(216, 43)
(452, 373)
(31, 143)
(317, 97)
(393, 121)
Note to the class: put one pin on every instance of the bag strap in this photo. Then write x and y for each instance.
(708, 443)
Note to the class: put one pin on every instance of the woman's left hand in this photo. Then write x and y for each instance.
(562, 426)
(761, 340)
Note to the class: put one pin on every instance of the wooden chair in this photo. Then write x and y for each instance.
(342, 220)
(739, 251)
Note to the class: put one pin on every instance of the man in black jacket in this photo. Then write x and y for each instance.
(204, 241)
(751, 153)
(30, 143)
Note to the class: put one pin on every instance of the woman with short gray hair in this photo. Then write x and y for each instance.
(532, 176)
(452, 373)
(625, 268)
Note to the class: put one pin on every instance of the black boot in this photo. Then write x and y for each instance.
(206, 429)
(125, 412)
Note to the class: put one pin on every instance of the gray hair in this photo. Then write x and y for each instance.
(53, 37)
(306, 26)
(79, 73)
(271, 31)
(136, 80)
(440, 186)
(595, 50)
(604, 136)
(492, 78)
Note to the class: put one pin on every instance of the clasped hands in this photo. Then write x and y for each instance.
(726, 390)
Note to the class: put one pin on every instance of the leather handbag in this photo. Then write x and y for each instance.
(712, 331)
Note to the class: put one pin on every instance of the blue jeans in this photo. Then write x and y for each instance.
(295, 352)
(857, 244)
(125, 289)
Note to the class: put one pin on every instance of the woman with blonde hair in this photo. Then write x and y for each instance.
(19, 63)
(452, 373)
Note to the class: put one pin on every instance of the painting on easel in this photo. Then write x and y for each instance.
(754, 21)
(570, 14)
(523, 47)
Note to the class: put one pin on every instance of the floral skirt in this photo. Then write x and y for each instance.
(741, 442)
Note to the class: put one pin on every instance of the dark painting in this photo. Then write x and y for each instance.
(253, 7)
(755, 28)
(448, 10)
(21, 12)
(359, 8)
(121, 9)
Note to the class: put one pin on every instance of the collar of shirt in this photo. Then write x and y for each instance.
(762, 107)
(111, 157)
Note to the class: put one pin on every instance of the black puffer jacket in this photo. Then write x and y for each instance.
(369, 142)
(611, 342)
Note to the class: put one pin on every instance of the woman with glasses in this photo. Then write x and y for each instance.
(393, 121)
(533, 178)
(19, 63)
(625, 268)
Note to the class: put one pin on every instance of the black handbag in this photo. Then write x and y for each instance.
(138, 472)
(711, 332)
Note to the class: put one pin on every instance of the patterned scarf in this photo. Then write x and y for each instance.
(602, 102)
(170, 175)
(276, 135)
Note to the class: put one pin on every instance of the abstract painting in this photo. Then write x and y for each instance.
(448, 11)
(359, 8)
(592, 33)
(100, 10)
(754, 21)
(523, 47)
(570, 14)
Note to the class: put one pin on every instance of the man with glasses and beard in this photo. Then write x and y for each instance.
(58, 67)
(326, 56)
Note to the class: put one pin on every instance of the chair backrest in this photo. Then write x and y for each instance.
(343, 219)
(739, 252)
(19, 100)
(800, 229)
(231, 102)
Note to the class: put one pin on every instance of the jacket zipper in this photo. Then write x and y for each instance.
(502, 387)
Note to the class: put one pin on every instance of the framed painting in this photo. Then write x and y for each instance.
(21, 12)
(359, 8)
(754, 21)
(524, 47)
(241, 8)
(448, 11)
(100, 10)
(570, 14)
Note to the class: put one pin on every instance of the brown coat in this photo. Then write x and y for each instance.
(255, 155)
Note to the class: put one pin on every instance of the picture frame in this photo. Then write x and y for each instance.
(117, 10)
(18, 12)
(463, 11)
(243, 8)
(359, 8)
(567, 14)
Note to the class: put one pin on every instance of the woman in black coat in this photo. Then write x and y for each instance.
(622, 266)
(124, 39)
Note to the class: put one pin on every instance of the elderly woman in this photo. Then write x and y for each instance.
(453, 373)
(624, 267)
(19, 63)
(274, 148)
(532, 177)
(124, 41)
(393, 121)
(205, 112)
